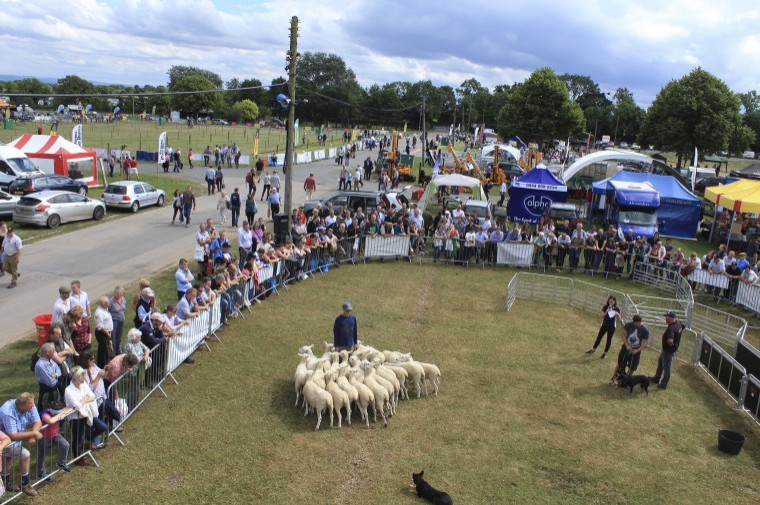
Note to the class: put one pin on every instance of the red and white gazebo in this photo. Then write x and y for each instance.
(54, 154)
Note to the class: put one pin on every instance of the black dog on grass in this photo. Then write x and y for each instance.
(630, 381)
(428, 492)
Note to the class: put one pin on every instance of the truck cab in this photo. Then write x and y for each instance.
(631, 206)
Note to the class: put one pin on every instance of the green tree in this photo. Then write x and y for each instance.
(469, 93)
(257, 96)
(31, 86)
(697, 110)
(246, 109)
(750, 101)
(193, 104)
(597, 108)
(330, 87)
(628, 116)
(73, 85)
(179, 72)
(540, 109)
(752, 121)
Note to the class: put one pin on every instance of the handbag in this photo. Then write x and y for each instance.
(199, 254)
(122, 408)
(34, 359)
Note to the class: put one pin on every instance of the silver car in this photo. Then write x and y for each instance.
(132, 195)
(51, 208)
(7, 203)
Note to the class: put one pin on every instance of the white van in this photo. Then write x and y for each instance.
(14, 164)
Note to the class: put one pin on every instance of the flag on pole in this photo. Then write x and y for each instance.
(161, 147)
(76, 135)
(694, 170)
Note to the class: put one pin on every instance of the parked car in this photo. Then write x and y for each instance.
(367, 200)
(635, 147)
(565, 211)
(480, 208)
(7, 203)
(511, 169)
(44, 182)
(624, 145)
(51, 208)
(132, 195)
(15, 164)
(706, 182)
(219, 122)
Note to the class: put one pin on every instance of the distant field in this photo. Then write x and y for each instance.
(144, 136)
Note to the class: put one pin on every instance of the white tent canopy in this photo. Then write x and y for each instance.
(487, 151)
(601, 157)
(458, 180)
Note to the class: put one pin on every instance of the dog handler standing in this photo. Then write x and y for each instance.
(610, 314)
(344, 329)
(671, 339)
(635, 339)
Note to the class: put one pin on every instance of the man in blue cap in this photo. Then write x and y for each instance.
(671, 339)
(344, 329)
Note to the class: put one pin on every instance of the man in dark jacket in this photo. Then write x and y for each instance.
(344, 330)
(671, 339)
(153, 336)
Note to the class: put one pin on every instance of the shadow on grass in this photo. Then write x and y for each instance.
(290, 416)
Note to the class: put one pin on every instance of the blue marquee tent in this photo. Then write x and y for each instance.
(532, 195)
(679, 208)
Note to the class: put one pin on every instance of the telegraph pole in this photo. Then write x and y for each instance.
(292, 57)
(424, 134)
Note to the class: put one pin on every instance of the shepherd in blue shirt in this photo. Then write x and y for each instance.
(344, 329)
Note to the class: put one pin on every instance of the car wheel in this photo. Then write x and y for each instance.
(98, 213)
(160, 202)
(135, 207)
(82, 191)
(53, 221)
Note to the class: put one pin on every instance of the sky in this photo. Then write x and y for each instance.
(640, 45)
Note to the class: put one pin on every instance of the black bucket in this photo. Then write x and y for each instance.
(730, 442)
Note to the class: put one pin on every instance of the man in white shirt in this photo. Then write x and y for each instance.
(458, 213)
(62, 304)
(79, 297)
(11, 248)
(503, 193)
(715, 267)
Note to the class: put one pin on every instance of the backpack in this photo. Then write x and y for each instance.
(248, 177)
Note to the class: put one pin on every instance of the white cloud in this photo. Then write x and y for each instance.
(639, 45)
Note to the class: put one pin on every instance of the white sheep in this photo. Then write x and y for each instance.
(389, 376)
(391, 356)
(319, 400)
(401, 376)
(301, 375)
(432, 372)
(365, 396)
(311, 363)
(340, 398)
(382, 398)
(343, 383)
(416, 373)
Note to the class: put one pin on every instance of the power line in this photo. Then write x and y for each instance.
(306, 90)
(136, 94)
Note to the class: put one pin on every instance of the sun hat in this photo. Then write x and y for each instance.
(347, 306)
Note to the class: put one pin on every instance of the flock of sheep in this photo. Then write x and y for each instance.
(364, 377)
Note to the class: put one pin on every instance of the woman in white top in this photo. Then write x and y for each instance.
(221, 206)
(84, 421)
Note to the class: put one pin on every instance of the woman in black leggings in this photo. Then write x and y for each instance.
(610, 313)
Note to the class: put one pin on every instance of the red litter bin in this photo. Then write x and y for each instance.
(43, 322)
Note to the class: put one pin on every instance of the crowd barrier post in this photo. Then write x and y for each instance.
(214, 321)
(751, 398)
(697, 351)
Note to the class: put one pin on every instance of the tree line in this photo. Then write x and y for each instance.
(696, 110)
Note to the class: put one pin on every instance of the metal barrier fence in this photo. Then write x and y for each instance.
(724, 328)
(62, 445)
(751, 400)
(724, 369)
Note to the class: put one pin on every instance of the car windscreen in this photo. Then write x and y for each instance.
(476, 209)
(22, 165)
(642, 218)
(562, 214)
(29, 201)
(114, 189)
(22, 183)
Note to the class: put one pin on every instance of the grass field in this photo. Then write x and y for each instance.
(523, 415)
(167, 182)
(144, 136)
